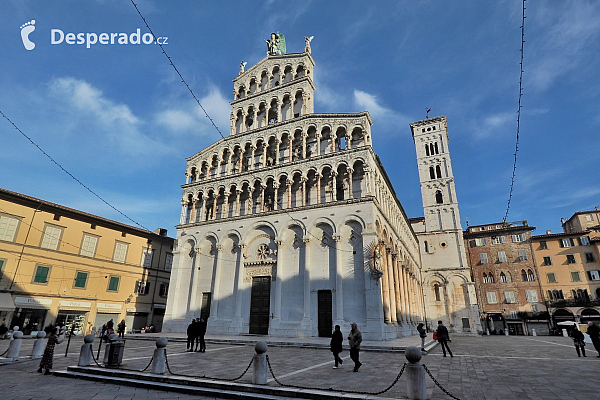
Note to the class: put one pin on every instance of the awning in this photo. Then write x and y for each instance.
(6, 302)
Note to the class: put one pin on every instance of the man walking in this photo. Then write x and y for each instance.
(191, 335)
(443, 337)
(354, 339)
(201, 331)
(594, 333)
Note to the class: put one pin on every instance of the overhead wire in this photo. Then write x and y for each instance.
(512, 179)
(215, 126)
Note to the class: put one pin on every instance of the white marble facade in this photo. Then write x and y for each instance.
(289, 225)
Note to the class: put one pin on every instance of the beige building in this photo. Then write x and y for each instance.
(570, 269)
(506, 277)
(63, 266)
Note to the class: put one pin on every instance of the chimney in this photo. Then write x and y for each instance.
(548, 232)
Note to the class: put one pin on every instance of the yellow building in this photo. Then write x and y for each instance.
(63, 266)
(570, 275)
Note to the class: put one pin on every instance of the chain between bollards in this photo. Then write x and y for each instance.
(204, 376)
(2, 355)
(337, 390)
(437, 383)
(125, 369)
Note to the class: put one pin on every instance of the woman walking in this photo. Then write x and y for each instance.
(46, 362)
(336, 345)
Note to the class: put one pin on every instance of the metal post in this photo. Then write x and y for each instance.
(69, 340)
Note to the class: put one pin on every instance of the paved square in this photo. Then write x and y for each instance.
(489, 367)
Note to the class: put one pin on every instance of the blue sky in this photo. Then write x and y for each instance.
(118, 118)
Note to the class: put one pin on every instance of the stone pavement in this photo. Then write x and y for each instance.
(490, 367)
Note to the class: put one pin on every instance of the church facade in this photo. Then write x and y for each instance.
(290, 225)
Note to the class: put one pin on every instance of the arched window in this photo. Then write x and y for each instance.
(438, 171)
(555, 294)
(530, 275)
(436, 290)
(524, 275)
(431, 173)
(431, 148)
(438, 197)
(485, 278)
(491, 277)
(426, 149)
(502, 277)
(436, 148)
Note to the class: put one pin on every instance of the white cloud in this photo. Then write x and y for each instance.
(382, 115)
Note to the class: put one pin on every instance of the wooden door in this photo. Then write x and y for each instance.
(260, 305)
(325, 313)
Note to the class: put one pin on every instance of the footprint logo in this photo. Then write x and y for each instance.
(26, 29)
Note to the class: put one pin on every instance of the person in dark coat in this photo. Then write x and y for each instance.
(337, 339)
(354, 339)
(200, 332)
(422, 334)
(578, 341)
(594, 333)
(191, 335)
(48, 356)
(121, 328)
(443, 337)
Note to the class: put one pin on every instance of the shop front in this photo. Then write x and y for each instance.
(30, 314)
(7, 308)
(105, 312)
(158, 316)
(73, 315)
(136, 319)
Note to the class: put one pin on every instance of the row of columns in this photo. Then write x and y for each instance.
(401, 299)
(194, 214)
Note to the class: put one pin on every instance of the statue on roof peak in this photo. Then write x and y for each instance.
(276, 46)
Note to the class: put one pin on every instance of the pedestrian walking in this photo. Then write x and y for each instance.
(354, 339)
(337, 340)
(578, 341)
(443, 336)
(191, 335)
(201, 331)
(46, 363)
(594, 333)
(121, 328)
(422, 334)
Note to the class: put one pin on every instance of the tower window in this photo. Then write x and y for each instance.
(438, 197)
(436, 148)
(426, 149)
(438, 171)
(431, 173)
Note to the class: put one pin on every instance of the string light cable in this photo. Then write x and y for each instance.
(512, 179)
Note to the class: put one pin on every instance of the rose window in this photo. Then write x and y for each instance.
(262, 252)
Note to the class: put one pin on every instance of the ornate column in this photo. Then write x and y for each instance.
(183, 211)
(332, 135)
(240, 283)
(225, 209)
(304, 136)
(406, 308)
(251, 163)
(348, 141)
(339, 289)
(263, 159)
(214, 207)
(261, 207)
(350, 172)
(334, 185)
(277, 143)
(305, 98)
(398, 310)
(205, 213)
(318, 177)
(237, 209)
(198, 212)
(242, 156)
(278, 279)
(276, 195)
(367, 178)
(306, 320)
(303, 182)
(277, 113)
(392, 285)
(318, 135)
(232, 118)
(291, 140)
(216, 292)
(385, 289)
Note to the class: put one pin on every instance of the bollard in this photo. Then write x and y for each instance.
(38, 345)
(487, 332)
(506, 332)
(15, 345)
(159, 358)
(85, 355)
(533, 332)
(415, 375)
(260, 364)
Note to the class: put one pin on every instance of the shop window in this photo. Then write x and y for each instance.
(80, 279)
(113, 284)
(41, 274)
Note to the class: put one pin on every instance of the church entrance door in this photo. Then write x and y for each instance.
(325, 313)
(259, 305)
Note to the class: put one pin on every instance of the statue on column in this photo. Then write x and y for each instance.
(242, 67)
(307, 41)
(276, 46)
(377, 270)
